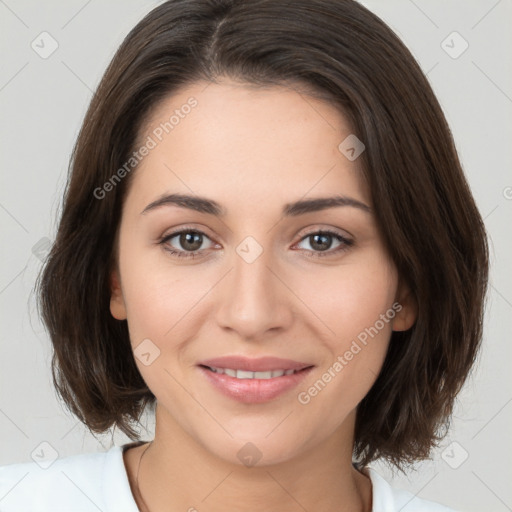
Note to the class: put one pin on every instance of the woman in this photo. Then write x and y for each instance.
(266, 235)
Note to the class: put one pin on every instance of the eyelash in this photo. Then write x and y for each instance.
(345, 243)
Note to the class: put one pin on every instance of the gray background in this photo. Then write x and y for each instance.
(43, 101)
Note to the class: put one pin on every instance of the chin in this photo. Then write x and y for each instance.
(252, 447)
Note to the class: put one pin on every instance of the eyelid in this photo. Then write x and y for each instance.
(185, 229)
(346, 242)
(310, 230)
(318, 228)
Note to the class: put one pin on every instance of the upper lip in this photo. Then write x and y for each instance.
(260, 364)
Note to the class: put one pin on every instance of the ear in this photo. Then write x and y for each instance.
(406, 309)
(117, 305)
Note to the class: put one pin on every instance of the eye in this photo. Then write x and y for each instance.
(321, 241)
(190, 241)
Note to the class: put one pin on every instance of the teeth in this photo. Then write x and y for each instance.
(244, 374)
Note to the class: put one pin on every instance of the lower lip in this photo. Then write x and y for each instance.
(254, 391)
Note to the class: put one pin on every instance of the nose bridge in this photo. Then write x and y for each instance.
(253, 300)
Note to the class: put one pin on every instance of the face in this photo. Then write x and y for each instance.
(254, 276)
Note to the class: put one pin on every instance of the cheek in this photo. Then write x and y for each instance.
(159, 300)
(147, 289)
(349, 299)
(354, 304)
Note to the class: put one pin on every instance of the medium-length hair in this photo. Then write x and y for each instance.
(336, 50)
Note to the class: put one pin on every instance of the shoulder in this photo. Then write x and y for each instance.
(82, 483)
(387, 499)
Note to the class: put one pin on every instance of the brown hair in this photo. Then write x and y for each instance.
(426, 213)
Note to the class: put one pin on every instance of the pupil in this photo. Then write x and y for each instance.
(188, 238)
(321, 245)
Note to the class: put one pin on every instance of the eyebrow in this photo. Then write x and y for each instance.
(211, 207)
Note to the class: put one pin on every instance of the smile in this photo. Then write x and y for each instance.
(244, 374)
(250, 387)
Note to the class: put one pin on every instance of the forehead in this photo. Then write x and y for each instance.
(241, 143)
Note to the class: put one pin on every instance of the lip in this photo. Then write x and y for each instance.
(260, 364)
(254, 391)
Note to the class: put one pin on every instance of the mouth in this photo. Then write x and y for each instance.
(253, 381)
(253, 365)
(245, 374)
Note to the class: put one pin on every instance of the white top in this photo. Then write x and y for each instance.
(95, 482)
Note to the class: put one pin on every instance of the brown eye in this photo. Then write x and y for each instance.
(321, 241)
(187, 243)
(190, 240)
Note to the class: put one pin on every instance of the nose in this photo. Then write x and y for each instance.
(254, 298)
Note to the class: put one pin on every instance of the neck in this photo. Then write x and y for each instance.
(177, 474)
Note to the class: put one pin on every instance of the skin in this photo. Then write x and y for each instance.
(252, 150)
